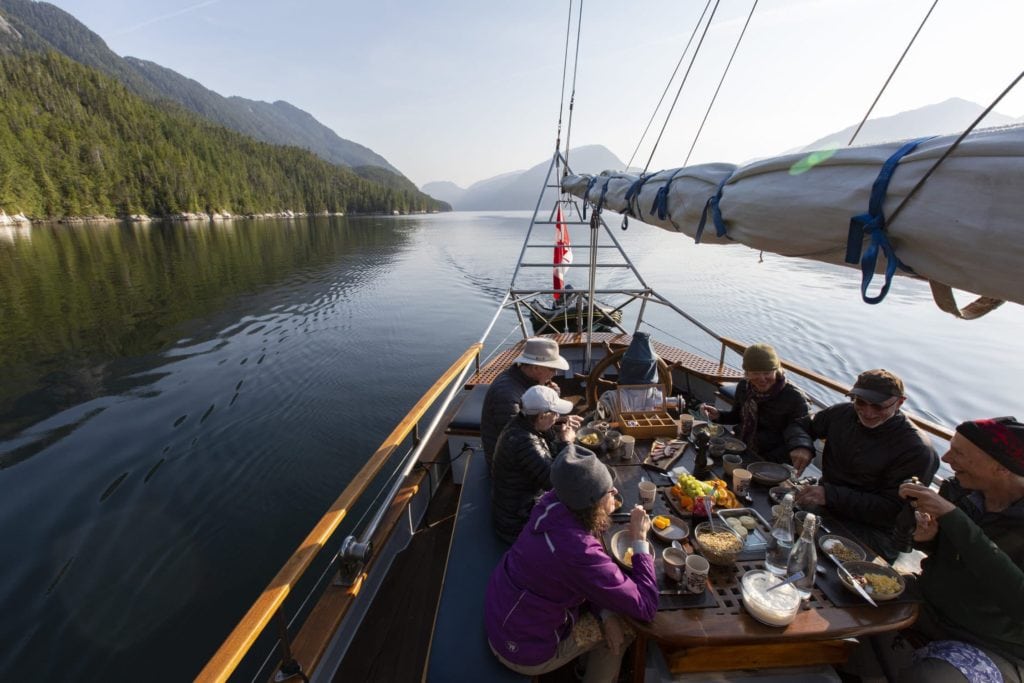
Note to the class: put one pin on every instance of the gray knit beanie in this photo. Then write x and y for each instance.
(579, 478)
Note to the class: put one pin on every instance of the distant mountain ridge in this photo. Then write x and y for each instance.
(40, 25)
(518, 189)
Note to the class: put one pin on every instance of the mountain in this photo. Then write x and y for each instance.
(518, 189)
(40, 25)
(950, 116)
(75, 142)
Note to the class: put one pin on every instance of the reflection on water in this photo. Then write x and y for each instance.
(179, 404)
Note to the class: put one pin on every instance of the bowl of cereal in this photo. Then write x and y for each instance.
(881, 582)
(719, 543)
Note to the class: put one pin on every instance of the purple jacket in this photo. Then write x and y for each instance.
(553, 569)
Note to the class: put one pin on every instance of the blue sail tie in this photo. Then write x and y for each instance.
(873, 222)
(660, 206)
(713, 205)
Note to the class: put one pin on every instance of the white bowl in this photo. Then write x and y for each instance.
(776, 608)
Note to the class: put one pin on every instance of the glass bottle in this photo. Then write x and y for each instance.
(776, 557)
(804, 557)
(906, 524)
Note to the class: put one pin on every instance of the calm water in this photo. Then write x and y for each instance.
(179, 404)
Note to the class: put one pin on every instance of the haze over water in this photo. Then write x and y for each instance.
(180, 403)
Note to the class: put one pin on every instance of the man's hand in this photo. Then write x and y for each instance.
(801, 458)
(710, 411)
(553, 385)
(613, 634)
(925, 500)
(566, 432)
(927, 527)
(811, 495)
(574, 421)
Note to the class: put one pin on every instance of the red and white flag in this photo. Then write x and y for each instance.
(563, 253)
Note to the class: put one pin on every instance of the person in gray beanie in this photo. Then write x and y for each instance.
(558, 579)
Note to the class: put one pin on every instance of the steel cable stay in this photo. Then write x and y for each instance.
(671, 78)
(725, 72)
(679, 92)
(891, 74)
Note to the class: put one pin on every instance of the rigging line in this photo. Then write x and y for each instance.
(956, 143)
(893, 73)
(572, 97)
(565, 66)
(720, 82)
(668, 85)
(679, 92)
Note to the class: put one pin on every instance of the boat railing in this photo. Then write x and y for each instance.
(268, 606)
(829, 383)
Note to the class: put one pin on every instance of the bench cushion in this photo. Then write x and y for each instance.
(459, 649)
(467, 418)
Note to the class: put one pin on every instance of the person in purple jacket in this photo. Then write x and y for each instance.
(550, 589)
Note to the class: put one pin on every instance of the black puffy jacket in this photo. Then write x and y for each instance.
(774, 415)
(501, 404)
(521, 473)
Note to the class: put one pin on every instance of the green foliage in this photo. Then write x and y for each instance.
(74, 142)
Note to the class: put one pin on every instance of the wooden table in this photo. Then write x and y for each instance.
(726, 637)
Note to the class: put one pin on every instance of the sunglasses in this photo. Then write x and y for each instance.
(861, 403)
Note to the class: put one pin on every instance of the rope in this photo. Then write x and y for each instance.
(891, 74)
(671, 78)
(720, 82)
(565, 67)
(679, 92)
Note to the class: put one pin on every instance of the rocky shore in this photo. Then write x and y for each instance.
(22, 219)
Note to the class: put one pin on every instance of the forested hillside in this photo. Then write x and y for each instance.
(74, 142)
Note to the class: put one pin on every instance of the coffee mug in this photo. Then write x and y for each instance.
(685, 425)
(741, 481)
(626, 445)
(716, 447)
(674, 560)
(696, 573)
(731, 462)
(648, 491)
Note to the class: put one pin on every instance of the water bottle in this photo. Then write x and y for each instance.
(804, 557)
(776, 557)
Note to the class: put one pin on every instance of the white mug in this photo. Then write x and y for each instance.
(674, 561)
(648, 492)
(696, 575)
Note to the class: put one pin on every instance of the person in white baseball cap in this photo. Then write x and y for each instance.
(537, 364)
(523, 458)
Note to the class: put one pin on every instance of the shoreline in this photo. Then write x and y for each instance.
(21, 220)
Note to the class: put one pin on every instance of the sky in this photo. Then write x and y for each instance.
(463, 90)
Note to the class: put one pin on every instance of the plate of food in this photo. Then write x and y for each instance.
(664, 453)
(734, 445)
(881, 582)
(621, 548)
(751, 527)
(842, 548)
(709, 428)
(669, 528)
(769, 473)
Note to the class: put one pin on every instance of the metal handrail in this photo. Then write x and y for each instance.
(240, 640)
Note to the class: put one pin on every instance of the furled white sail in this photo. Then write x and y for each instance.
(963, 228)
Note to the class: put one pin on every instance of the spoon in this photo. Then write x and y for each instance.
(791, 579)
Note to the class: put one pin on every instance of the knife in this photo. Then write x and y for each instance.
(853, 582)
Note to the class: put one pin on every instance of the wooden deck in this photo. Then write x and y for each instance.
(701, 366)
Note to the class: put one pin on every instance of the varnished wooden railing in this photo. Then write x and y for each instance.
(926, 425)
(237, 644)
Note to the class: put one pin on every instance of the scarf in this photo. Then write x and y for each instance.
(748, 411)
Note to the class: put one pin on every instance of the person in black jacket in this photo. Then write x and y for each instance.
(523, 458)
(870, 449)
(766, 404)
(536, 365)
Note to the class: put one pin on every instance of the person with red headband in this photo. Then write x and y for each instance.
(972, 581)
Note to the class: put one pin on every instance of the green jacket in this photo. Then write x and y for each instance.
(973, 578)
